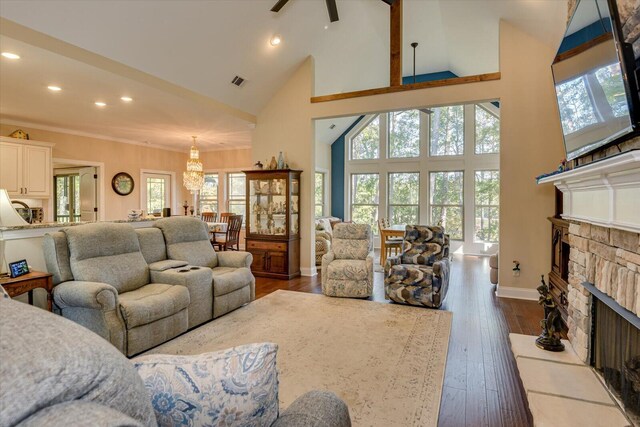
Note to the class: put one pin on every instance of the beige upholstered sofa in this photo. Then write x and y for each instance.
(139, 288)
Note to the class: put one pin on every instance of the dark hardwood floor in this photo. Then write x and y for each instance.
(481, 385)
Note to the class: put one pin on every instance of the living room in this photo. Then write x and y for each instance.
(309, 84)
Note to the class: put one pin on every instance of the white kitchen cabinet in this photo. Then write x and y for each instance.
(25, 168)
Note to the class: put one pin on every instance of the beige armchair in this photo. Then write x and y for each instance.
(347, 269)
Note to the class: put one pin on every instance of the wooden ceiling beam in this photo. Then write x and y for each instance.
(395, 49)
(403, 88)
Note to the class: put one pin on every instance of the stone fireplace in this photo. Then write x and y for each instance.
(601, 201)
(608, 258)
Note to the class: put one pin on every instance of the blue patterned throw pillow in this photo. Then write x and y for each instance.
(234, 387)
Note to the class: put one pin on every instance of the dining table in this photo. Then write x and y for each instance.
(393, 231)
(217, 227)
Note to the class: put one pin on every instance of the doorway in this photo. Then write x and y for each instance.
(156, 192)
(75, 194)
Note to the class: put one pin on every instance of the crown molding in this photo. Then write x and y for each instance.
(11, 122)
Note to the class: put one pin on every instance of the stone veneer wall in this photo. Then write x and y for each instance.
(610, 259)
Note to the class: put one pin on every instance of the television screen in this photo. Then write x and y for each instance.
(589, 78)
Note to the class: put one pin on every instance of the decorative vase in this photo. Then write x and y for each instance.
(273, 164)
(280, 161)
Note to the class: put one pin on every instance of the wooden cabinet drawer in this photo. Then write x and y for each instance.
(270, 246)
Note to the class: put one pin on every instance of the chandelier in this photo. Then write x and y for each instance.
(193, 177)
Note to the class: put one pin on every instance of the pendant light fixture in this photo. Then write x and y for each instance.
(193, 177)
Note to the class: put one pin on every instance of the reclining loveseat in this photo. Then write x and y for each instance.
(138, 288)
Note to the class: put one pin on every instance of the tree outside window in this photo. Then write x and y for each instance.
(319, 194)
(237, 190)
(209, 193)
(447, 202)
(447, 131)
(404, 134)
(487, 132)
(366, 144)
(404, 190)
(487, 206)
(156, 194)
(365, 199)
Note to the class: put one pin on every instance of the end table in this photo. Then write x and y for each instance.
(27, 283)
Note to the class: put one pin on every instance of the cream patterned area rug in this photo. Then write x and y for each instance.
(386, 361)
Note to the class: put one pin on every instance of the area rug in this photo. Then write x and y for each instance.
(386, 361)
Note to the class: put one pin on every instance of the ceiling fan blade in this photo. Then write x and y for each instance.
(389, 2)
(279, 5)
(333, 10)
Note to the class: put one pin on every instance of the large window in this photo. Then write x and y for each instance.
(404, 190)
(366, 144)
(487, 131)
(209, 193)
(423, 163)
(365, 199)
(404, 134)
(487, 206)
(236, 185)
(447, 199)
(319, 194)
(447, 131)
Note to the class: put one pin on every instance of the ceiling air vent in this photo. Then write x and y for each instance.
(238, 81)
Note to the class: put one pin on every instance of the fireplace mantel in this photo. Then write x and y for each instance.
(604, 193)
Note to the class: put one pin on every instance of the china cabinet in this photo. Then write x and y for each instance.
(273, 222)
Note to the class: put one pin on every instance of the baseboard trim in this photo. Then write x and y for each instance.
(517, 293)
(308, 271)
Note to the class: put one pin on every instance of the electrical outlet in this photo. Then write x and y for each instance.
(516, 268)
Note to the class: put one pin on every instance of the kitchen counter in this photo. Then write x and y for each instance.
(30, 231)
(70, 224)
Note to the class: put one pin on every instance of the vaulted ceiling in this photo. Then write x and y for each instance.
(202, 45)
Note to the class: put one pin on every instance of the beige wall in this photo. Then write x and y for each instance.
(285, 124)
(130, 158)
(227, 159)
(323, 156)
(530, 135)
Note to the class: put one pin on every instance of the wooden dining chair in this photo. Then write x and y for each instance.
(387, 243)
(209, 216)
(232, 236)
(215, 236)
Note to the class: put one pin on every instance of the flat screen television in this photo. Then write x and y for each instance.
(596, 74)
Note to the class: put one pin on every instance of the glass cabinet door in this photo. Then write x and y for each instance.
(268, 206)
(295, 206)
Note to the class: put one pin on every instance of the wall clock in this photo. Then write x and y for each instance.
(122, 183)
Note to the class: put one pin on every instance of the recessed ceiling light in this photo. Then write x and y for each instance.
(275, 40)
(126, 98)
(100, 104)
(54, 88)
(326, 27)
(10, 55)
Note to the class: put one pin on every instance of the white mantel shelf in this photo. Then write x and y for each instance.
(605, 193)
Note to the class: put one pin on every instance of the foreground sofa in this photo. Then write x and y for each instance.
(140, 288)
(57, 373)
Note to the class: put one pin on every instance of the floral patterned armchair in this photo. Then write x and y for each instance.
(420, 274)
(347, 269)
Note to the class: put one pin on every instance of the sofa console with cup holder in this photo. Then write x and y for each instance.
(138, 288)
